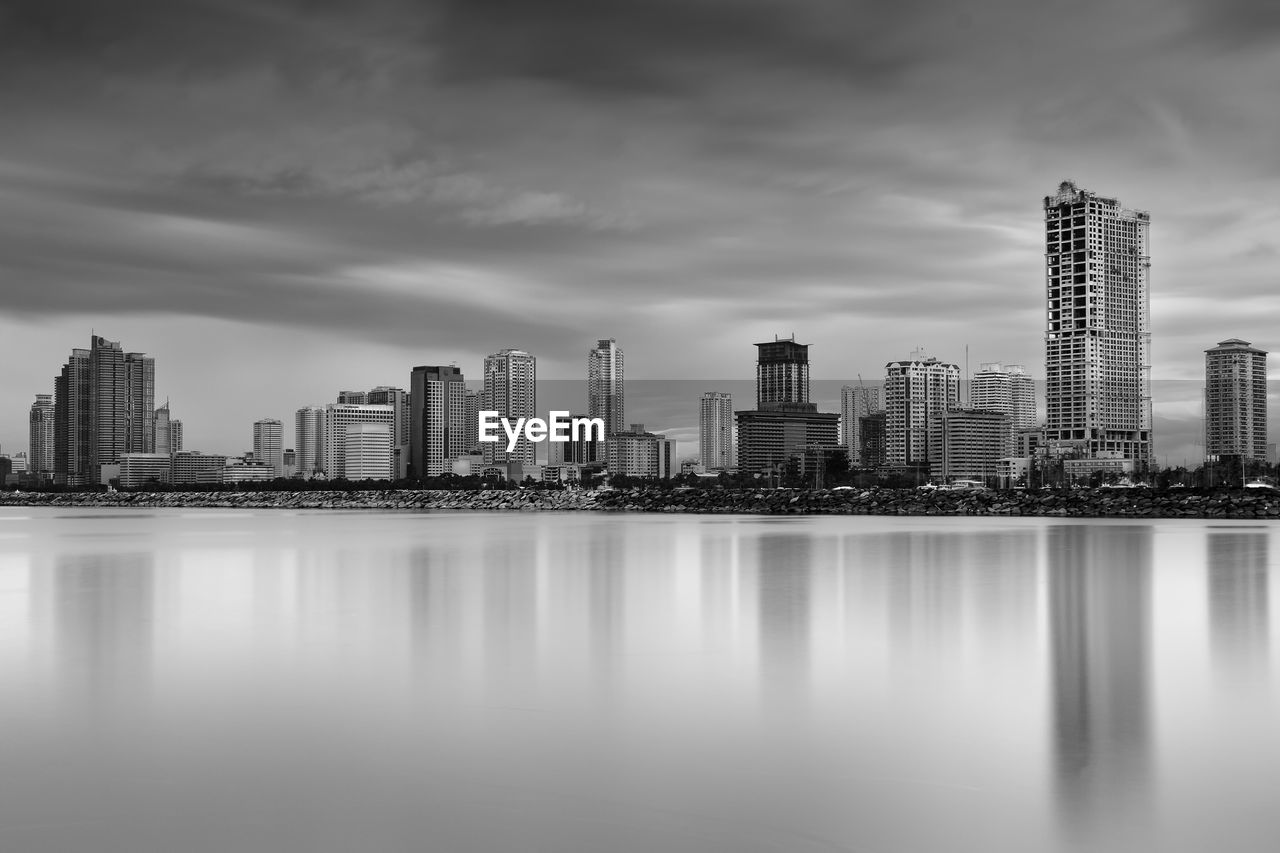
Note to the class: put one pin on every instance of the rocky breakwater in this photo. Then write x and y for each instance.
(1075, 503)
(407, 499)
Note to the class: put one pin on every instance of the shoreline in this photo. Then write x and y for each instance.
(1074, 503)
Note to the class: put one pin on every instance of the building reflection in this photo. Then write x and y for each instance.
(95, 625)
(1236, 563)
(1099, 602)
(783, 571)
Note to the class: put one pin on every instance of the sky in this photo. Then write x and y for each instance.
(280, 200)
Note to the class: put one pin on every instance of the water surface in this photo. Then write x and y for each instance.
(212, 681)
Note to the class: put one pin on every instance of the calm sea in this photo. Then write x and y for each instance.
(322, 682)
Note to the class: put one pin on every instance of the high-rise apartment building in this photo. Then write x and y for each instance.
(308, 441)
(1005, 388)
(510, 389)
(715, 431)
(268, 444)
(856, 402)
(140, 400)
(175, 435)
(1235, 401)
(636, 453)
(41, 434)
(915, 392)
(1097, 335)
(605, 398)
(102, 408)
(438, 431)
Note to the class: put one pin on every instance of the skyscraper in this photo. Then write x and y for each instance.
(1097, 337)
(715, 431)
(1005, 388)
(268, 444)
(605, 385)
(162, 430)
(140, 393)
(175, 433)
(41, 435)
(510, 389)
(915, 392)
(782, 373)
(308, 441)
(102, 407)
(71, 434)
(437, 419)
(856, 402)
(784, 423)
(1235, 400)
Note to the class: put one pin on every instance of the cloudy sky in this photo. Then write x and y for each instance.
(278, 200)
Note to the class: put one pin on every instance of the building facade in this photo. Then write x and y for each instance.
(605, 388)
(510, 389)
(337, 419)
(637, 453)
(191, 467)
(915, 392)
(368, 451)
(784, 421)
(139, 469)
(1005, 388)
(968, 444)
(1097, 334)
(1235, 401)
(308, 441)
(40, 435)
(856, 402)
(103, 402)
(438, 430)
(715, 431)
(268, 444)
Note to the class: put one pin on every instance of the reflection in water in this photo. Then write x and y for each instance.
(98, 620)
(1100, 624)
(1239, 622)
(630, 683)
(783, 564)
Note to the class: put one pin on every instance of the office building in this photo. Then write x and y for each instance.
(856, 402)
(368, 451)
(290, 463)
(784, 421)
(338, 417)
(967, 444)
(175, 434)
(1005, 388)
(471, 423)
(40, 435)
(308, 441)
(715, 431)
(191, 467)
(637, 453)
(438, 431)
(353, 398)
(915, 392)
(140, 469)
(1097, 335)
(605, 397)
(1235, 401)
(510, 389)
(399, 401)
(268, 444)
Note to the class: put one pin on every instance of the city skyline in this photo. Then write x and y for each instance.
(334, 196)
